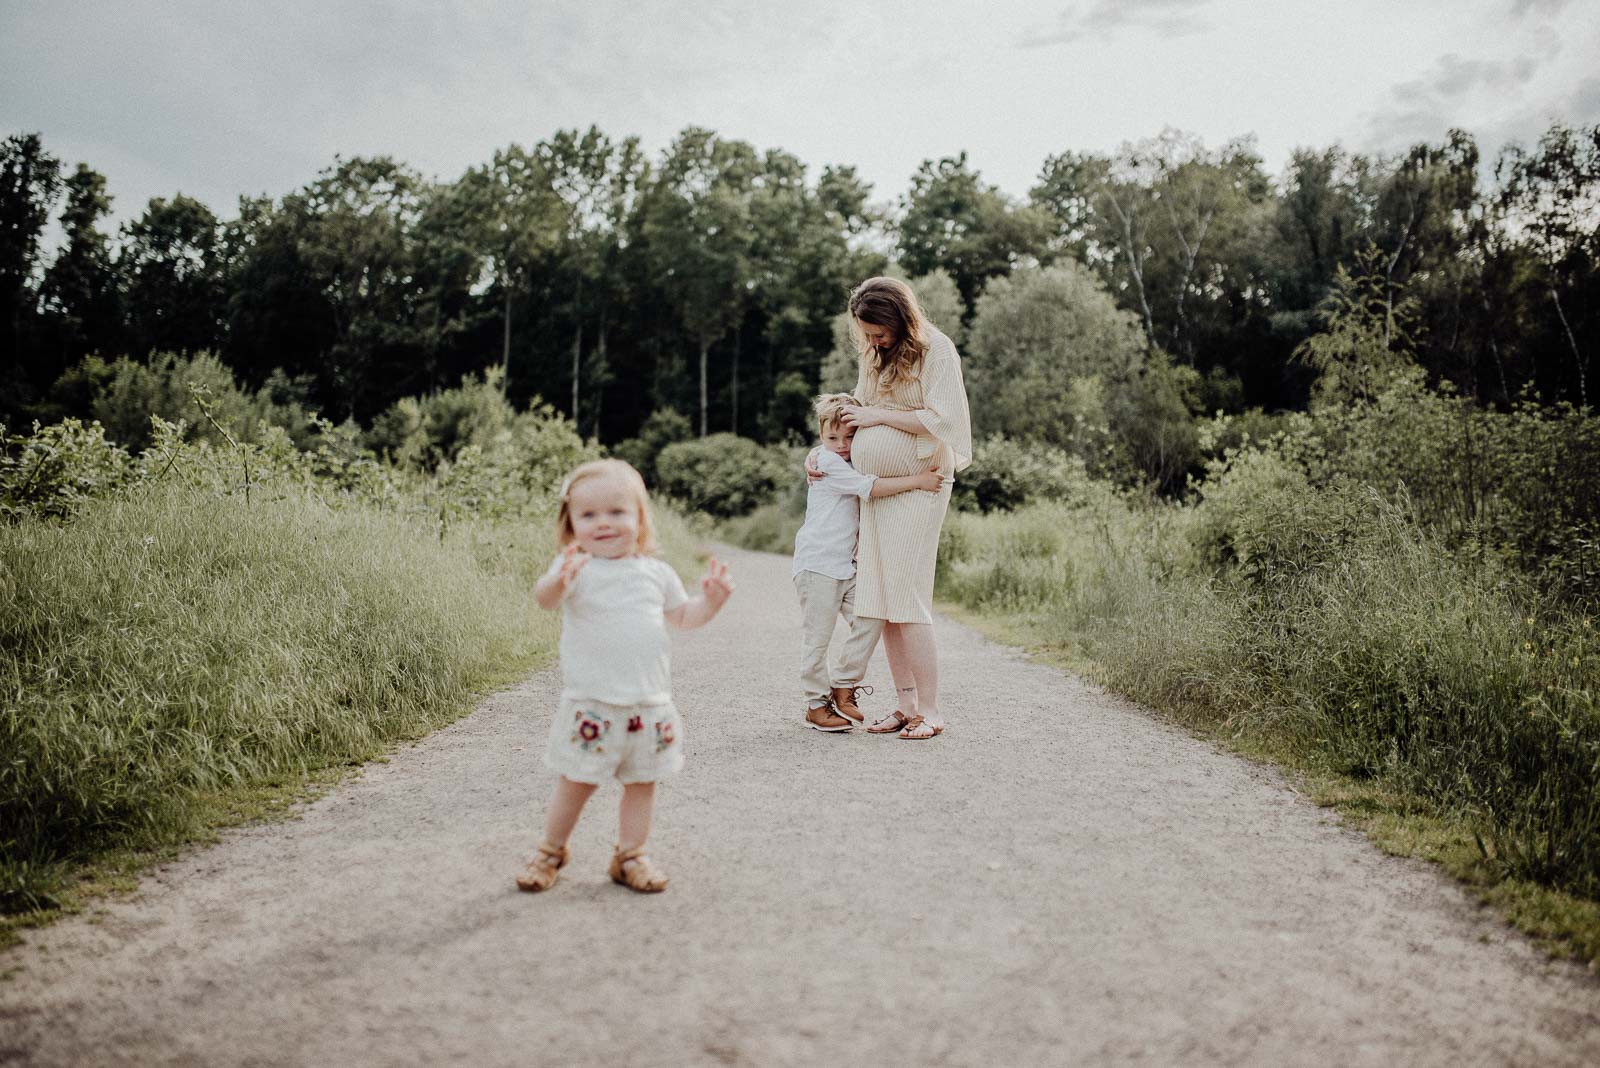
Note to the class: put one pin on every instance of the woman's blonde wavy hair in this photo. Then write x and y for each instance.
(646, 543)
(889, 302)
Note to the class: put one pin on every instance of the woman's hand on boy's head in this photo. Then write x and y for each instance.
(717, 584)
(860, 416)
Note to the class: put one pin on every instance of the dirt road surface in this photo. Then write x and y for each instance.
(1060, 879)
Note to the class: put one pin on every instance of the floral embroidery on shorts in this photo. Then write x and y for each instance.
(590, 732)
(666, 734)
(635, 724)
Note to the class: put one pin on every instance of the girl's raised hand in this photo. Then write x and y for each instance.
(572, 560)
(717, 584)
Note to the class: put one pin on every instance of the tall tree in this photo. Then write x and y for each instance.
(277, 314)
(1553, 194)
(30, 179)
(1162, 220)
(696, 220)
(802, 266)
(518, 224)
(355, 228)
(80, 293)
(597, 182)
(172, 262)
(956, 221)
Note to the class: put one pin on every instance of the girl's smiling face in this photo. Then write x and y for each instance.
(605, 516)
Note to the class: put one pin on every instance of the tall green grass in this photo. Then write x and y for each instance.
(1346, 636)
(175, 641)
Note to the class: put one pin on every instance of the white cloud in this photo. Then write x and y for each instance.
(1104, 18)
(1542, 7)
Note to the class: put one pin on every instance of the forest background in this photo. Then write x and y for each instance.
(1305, 459)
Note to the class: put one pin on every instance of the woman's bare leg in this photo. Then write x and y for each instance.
(905, 680)
(922, 658)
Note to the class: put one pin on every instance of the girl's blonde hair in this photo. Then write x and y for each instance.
(829, 409)
(565, 535)
(889, 302)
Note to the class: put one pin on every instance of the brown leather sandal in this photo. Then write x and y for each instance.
(631, 868)
(916, 723)
(541, 872)
(888, 724)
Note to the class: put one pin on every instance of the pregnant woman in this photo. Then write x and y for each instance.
(913, 416)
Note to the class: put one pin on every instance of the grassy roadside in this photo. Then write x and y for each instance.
(467, 595)
(1398, 822)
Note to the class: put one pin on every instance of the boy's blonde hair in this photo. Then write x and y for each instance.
(829, 409)
(623, 470)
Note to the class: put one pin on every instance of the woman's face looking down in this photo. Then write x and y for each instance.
(879, 337)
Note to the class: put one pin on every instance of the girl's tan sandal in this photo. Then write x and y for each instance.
(540, 874)
(631, 868)
(916, 724)
(888, 724)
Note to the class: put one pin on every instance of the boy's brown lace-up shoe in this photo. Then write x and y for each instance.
(824, 718)
(844, 699)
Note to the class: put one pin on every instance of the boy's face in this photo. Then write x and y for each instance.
(837, 439)
(605, 516)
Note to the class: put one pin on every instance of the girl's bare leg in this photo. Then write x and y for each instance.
(638, 805)
(565, 808)
(922, 658)
(905, 681)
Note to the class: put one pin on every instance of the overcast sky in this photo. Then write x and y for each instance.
(223, 98)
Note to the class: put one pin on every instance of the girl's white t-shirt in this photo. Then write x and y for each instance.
(614, 641)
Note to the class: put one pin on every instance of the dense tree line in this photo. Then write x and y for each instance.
(708, 280)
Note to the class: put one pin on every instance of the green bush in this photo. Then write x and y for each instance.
(663, 427)
(57, 469)
(421, 432)
(126, 393)
(1516, 485)
(1006, 474)
(724, 475)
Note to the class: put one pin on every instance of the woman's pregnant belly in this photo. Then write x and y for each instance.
(886, 452)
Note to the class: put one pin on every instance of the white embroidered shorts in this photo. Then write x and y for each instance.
(591, 741)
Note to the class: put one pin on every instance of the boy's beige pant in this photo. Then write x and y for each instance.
(823, 600)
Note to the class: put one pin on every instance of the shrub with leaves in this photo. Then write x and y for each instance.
(57, 469)
(725, 475)
(1006, 474)
(665, 426)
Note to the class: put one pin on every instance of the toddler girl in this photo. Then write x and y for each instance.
(616, 717)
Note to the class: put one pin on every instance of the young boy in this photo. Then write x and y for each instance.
(825, 569)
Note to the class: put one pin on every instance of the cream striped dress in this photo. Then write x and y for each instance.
(899, 542)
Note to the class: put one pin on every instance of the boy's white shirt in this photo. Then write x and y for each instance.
(616, 646)
(826, 541)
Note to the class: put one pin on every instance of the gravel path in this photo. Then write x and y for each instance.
(1060, 878)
